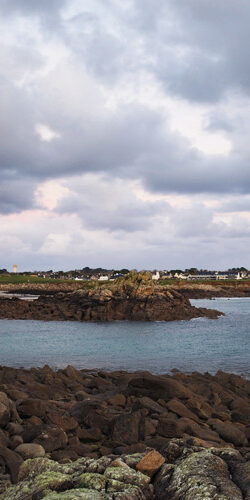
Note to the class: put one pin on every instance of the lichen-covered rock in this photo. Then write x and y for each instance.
(197, 475)
(84, 479)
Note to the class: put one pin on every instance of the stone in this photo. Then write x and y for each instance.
(151, 463)
(30, 450)
(151, 405)
(199, 476)
(88, 435)
(126, 428)
(12, 461)
(4, 414)
(63, 421)
(158, 387)
(231, 433)
(180, 409)
(14, 428)
(15, 441)
(117, 400)
(52, 438)
(32, 407)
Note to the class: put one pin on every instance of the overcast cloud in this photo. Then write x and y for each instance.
(124, 133)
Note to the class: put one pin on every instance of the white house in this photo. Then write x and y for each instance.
(156, 276)
(103, 278)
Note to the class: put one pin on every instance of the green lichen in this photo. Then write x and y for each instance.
(92, 481)
(78, 494)
(128, 476)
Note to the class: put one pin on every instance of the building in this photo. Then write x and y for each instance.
(156, 275)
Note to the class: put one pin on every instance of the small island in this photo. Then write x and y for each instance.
(134, 297)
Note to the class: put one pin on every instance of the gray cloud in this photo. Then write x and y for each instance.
(29, 7)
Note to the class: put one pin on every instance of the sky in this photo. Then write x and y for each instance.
(124, 134)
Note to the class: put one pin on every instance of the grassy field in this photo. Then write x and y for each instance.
(15, 279)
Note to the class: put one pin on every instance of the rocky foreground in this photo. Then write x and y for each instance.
(78, 434)
(142, 303)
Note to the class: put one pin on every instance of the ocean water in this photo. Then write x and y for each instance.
(198, 345)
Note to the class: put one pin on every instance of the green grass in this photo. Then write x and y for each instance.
(15, 279)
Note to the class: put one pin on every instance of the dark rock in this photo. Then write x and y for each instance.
(30, 407)
(126, 428)
(12, 461)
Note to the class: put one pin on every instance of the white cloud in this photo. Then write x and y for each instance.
(46, 133)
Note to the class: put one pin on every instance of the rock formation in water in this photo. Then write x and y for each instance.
(121, 435)
(129, 300)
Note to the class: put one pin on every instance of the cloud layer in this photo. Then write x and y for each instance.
(124, 133)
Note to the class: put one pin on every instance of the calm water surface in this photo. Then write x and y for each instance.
(200, 344)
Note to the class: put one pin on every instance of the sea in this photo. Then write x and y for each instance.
(203, 345)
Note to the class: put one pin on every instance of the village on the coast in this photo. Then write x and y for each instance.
(102, 275)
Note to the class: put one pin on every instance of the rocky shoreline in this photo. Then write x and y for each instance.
(91, 434)
(144, 303)
(209, 291)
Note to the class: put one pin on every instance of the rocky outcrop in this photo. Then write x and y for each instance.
(210, 291)
(142, 303)
(181, 472)
(88, 415)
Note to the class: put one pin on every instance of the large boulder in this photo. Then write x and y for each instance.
(30, 450)
(32, 407)
(157, 387)
(126, 428)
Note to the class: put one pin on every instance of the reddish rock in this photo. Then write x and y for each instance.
(117, 400)
(151, 463)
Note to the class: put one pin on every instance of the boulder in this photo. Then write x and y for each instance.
(151, 463)
(12, 461)
(231, 433)
(32, 407)
(157, 387)
(30, 450)
(125, 428)
(64, 422)
(52, 438)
